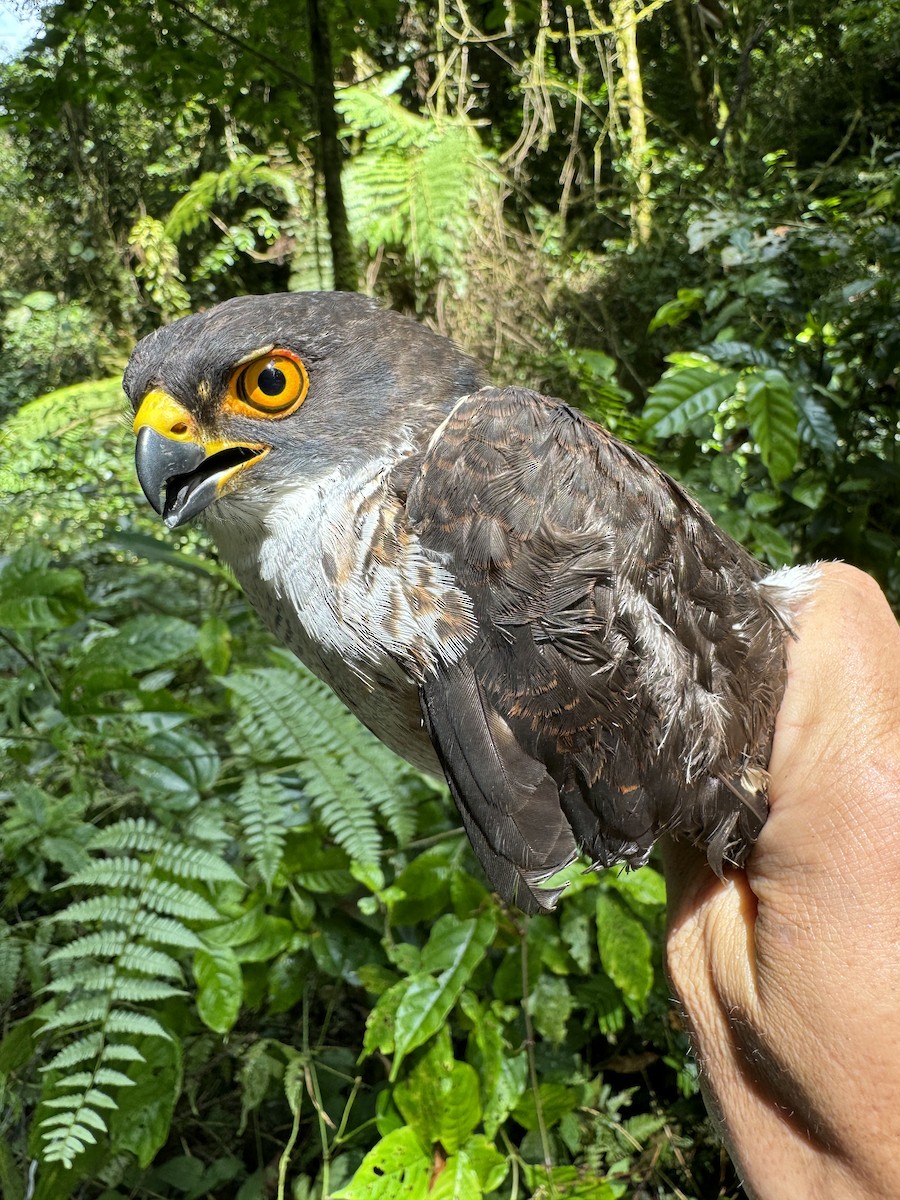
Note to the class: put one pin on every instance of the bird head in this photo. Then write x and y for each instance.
(264, 391)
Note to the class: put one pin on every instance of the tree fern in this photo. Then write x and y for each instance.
(149, 897)
(413, 182)
(244, 174)
(34, 435)
(287, 716)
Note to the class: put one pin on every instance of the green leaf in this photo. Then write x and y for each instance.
(143, 1119)
(673, 312)
(738, 353)
(219, 987)
(625, 949)
(771, 544)
(489, 1164)
(214, 645)
(457, 1181)
(815, 425)
(643, 889)
(810, 489)
(683, 395)
(553, 1100)
(550, 1005)
(773, 421)
(395, 1169)
(440, 1098)
(39, 301)
(503, 1073)
(426, 1003)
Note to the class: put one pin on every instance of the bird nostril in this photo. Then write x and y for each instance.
(179, 428)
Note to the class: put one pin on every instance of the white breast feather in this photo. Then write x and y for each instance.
(366, 610)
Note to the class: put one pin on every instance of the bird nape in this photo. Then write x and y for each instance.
(496, 587)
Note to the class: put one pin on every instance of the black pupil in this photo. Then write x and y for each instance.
(271, 381)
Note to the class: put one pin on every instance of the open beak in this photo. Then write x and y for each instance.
(180, 472)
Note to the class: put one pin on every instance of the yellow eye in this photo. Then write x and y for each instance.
(274, 385)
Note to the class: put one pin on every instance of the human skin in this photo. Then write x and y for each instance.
(789, 970)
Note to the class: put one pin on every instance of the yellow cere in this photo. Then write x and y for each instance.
(162, 412)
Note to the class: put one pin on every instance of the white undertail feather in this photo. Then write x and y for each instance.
(787, 590)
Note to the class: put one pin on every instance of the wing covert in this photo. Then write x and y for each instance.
(620, 641)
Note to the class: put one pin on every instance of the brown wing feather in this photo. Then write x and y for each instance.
(622, 644)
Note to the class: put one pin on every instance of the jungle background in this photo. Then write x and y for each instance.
(245, 952)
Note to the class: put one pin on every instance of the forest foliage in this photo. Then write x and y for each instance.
(244, 951)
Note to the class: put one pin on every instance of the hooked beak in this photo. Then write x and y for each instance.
(180, 472)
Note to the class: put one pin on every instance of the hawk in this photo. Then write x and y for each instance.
(497, 587)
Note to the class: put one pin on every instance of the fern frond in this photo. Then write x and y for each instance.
(86, 1011)
(414, 183)
(172, 900)
(137, 835)
(165, 931)
(93, 1096)
(193, 862)
(113, 1078)
(285, 715)
(343, 808)
(122, 1021)
(113, 873)
(83, 1050)
(138, 991)
(87, 976)
(121, 1052)
(112, 910)
(66, 1134)
(261, 805)
(108, 944)
(33, 435)
(247, 173)
(104, 981)
(144, 960)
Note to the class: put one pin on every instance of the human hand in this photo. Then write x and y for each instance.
(789, 970)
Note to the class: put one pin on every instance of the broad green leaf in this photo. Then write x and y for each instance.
(810, 489)
(771, 543)
(502, 1073)
(490, 1165)
(625, 949)
(456, 1180)
(425, 885)
(219, 987)
(554, 1100)
(275, 935)
(39, 301)
(773, 421)
(738, 354)
(683, 395)
(440, 1099)
(645, 888)
(550, 1005)
(173, 763)
(815, 425)
(214, 645)
(143, 1119)
(576, 930)
(395, 1169)
(427, 1001)
(673, 312)
(37, 595)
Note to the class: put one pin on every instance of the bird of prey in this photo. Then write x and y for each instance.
(494, 585)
